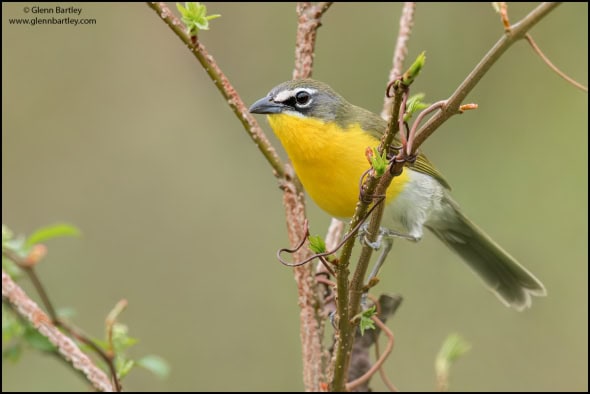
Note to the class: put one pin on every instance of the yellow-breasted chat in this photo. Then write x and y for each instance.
(326, 137)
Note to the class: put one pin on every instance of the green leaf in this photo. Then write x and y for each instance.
(367, 322)
(57, 230)
(194, 16)
(317, 244)
(124, 368)
(12, 353)
(17, 245)
(156, 365)
(379, 162)
(38, 341)
(121, 340)
(413, 105)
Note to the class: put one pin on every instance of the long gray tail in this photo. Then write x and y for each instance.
(511, 282)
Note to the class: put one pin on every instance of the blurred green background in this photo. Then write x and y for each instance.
(116, 128)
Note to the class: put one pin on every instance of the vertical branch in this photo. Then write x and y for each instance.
(311, 319)
(406, 23)
(30, 311)
(309, 20)
(349, 304)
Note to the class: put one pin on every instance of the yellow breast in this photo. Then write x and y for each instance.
(329, 161)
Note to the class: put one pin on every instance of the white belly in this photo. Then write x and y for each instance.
(419, 201)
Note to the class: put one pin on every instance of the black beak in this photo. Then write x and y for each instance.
(266, 106)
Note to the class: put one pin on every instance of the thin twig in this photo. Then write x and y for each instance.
(382, 373)
(333, 235)
(327, 253)
(503, 10)
(224, 86)
(552, 66)
(30, 270)
(29, 310)
(412, 135)
(517, 32)
(401, 50)
(111, 320)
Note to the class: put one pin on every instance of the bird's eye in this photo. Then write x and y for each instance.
(302, 98)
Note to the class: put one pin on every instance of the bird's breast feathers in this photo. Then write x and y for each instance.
(329, 160)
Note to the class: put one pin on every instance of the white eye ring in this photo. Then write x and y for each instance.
(303, 98)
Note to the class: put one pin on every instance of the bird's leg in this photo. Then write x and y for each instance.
(386, 232)
(363, 232)
(387, 242)
(383, 234)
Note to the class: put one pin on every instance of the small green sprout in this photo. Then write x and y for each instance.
(414, 104)
(409, 76)
(378, 162)
(194, 15)
(453, 347)
(366, 319)
(317, 244)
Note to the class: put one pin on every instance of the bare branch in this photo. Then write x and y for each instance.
(401, 50)
(502, 9)
(29, 310)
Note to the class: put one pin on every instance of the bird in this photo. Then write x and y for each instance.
(326, 138)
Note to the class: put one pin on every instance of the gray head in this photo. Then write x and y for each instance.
(304, 98)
